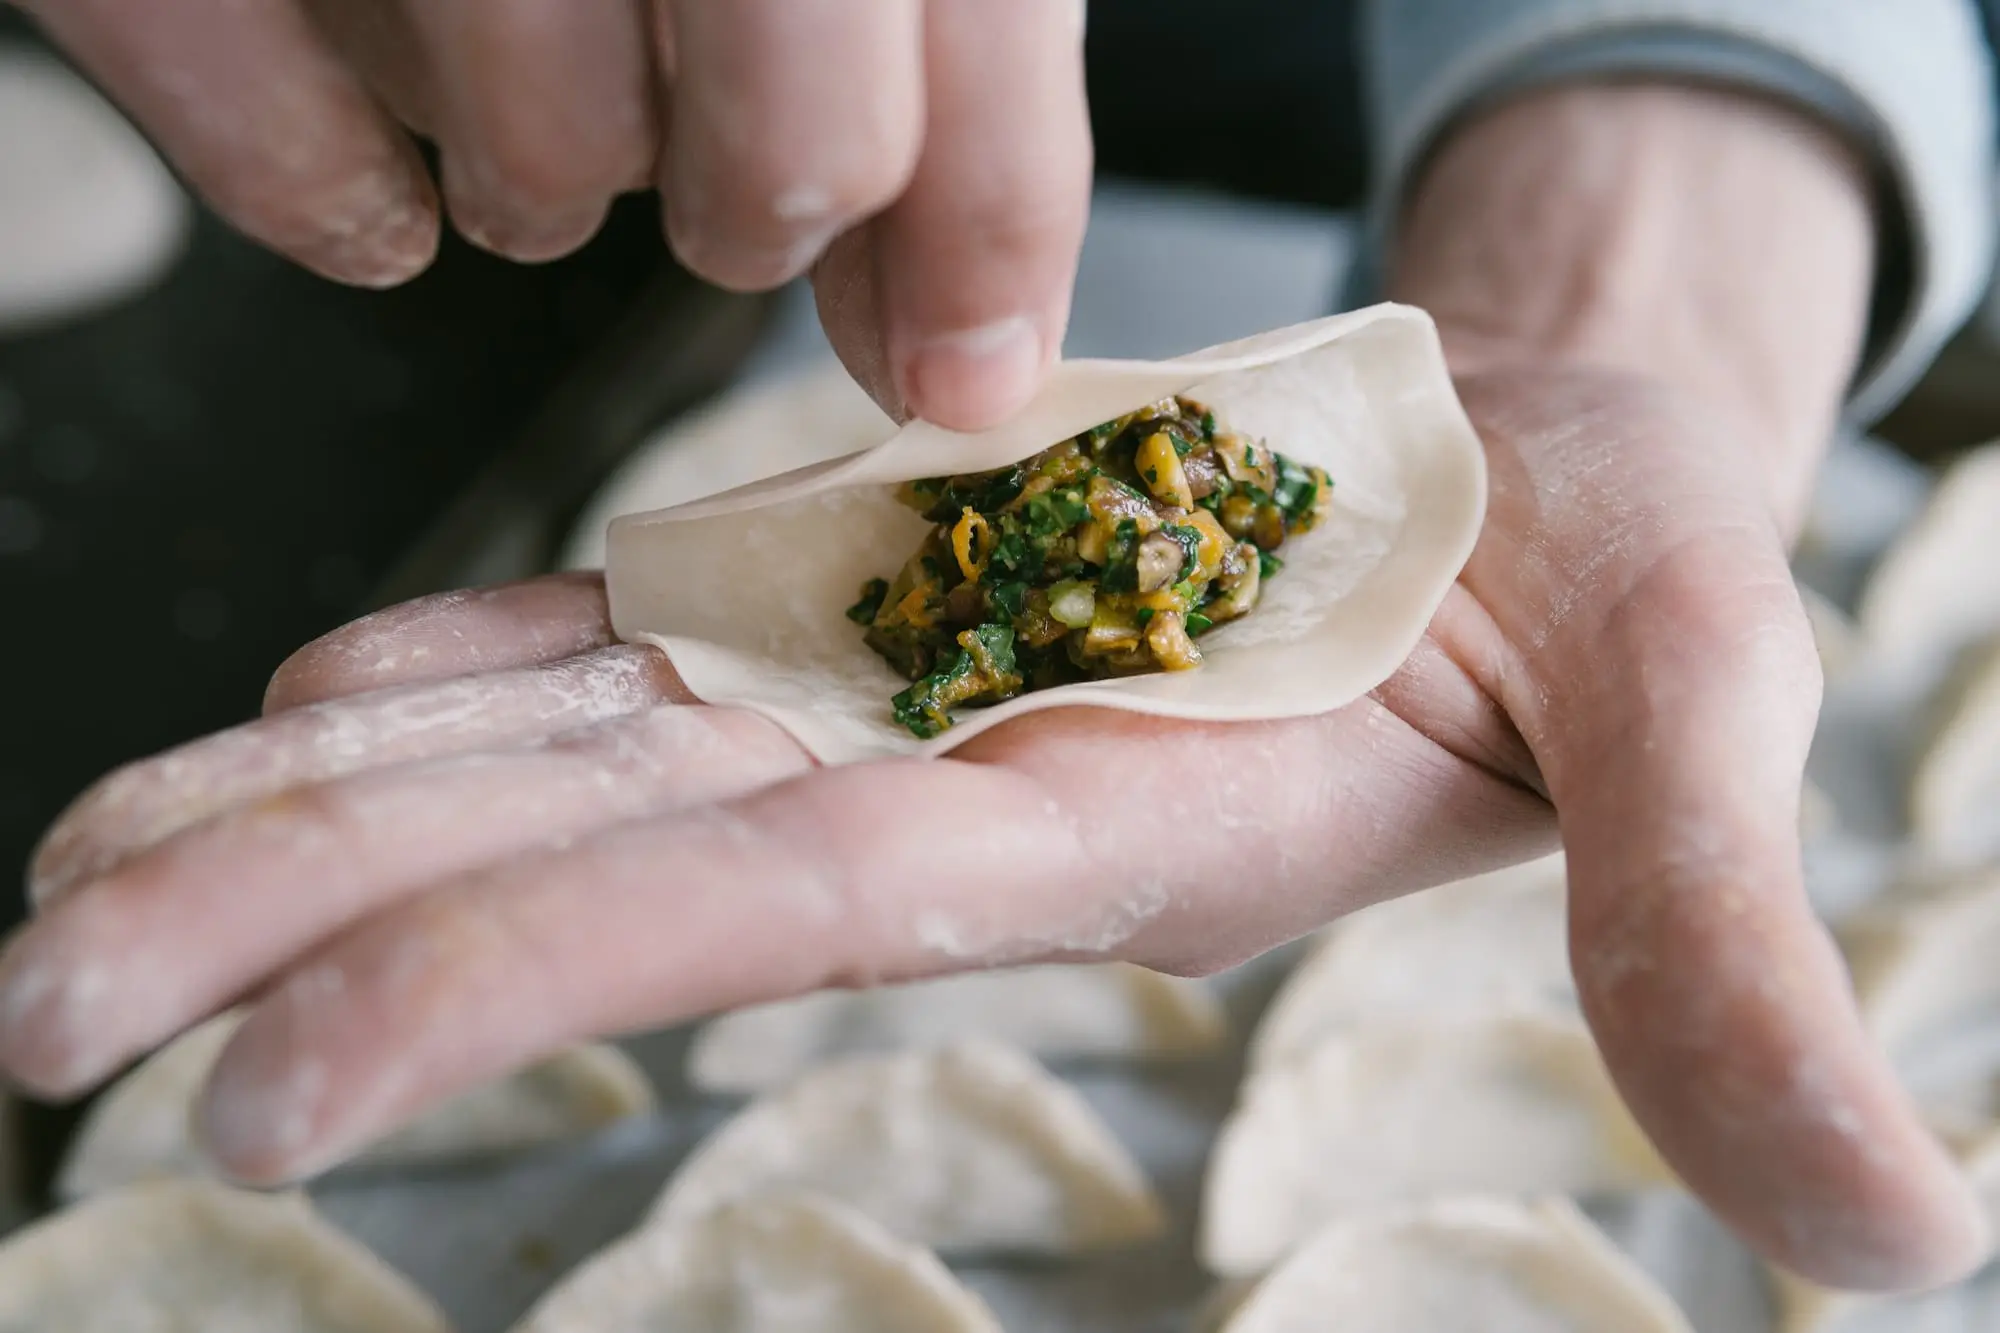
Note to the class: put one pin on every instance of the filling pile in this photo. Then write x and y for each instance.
(1107, 555)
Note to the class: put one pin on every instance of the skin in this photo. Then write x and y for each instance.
(935, 154)
(470, 830)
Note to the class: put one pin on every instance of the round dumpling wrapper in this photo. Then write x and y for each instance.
(747, 590)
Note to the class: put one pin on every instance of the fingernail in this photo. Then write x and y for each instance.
(522, 238)
(973, 379)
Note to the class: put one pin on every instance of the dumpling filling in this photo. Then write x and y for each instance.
(1109, 554)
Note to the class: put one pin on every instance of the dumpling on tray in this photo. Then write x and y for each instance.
(193, 1255)
(1077, 1011)
(973, 1148)
(142, 1128)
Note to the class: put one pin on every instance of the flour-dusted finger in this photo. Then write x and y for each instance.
(976, 261)
(153, 799)
(791, 121)
(262, 117)
(545, 110)
(502, 628)
(121, 963)
(867, 872)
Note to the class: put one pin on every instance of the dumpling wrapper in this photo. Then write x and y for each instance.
(1955, 790)
(1395, 1114)
(779, 1263)
(1461, 1265)
(972, 1149)
(1098, 1010)
(753, 431)
(1922, 959)
(141, 1128)
(747, 591)
(180, 1255)
(1492, 944)
(1936, 591)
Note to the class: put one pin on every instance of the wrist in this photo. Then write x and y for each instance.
(1706, 239)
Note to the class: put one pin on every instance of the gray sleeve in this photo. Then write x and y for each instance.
(1910, 81)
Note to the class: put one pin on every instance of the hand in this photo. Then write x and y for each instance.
(943, 144)
(471, 830)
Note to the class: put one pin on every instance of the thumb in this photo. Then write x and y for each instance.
(1670, 694)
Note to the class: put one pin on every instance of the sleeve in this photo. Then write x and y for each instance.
(1911, 81)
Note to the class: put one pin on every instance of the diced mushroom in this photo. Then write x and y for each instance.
(1159, 560)
(1113, 501)
(1238, 584)
(1203, 473)
(1246, 461)
(1167, 636)
(1269, 529)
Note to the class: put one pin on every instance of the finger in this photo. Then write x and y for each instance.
(977, 258)
(171, 936)
(791, 120)
(264, 120)
(545, 112)
(503, 628)
(377, 39)
(850, 310)
(859, 874)
(146, 802)
(1671, 706)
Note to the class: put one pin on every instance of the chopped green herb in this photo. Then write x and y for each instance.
(1009, 598)
(1049, 591)
(1297, 489)
(864, 611)
(1189, 540)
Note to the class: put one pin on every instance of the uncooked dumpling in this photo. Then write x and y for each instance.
(1937, 590)
(141, 1128)
(1920, 960)
(781, 1263)
(1955, 793)
(1834, 633)
(1110, 1010)
(186, 1256)
(1490, 945)
(88, 213)
(1397, 1113)
(748, 591)
(970, 1149)
(1464, 1265)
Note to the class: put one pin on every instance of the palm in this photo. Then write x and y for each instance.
(430, 876)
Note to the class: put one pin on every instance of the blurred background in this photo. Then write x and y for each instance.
(208, 457)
